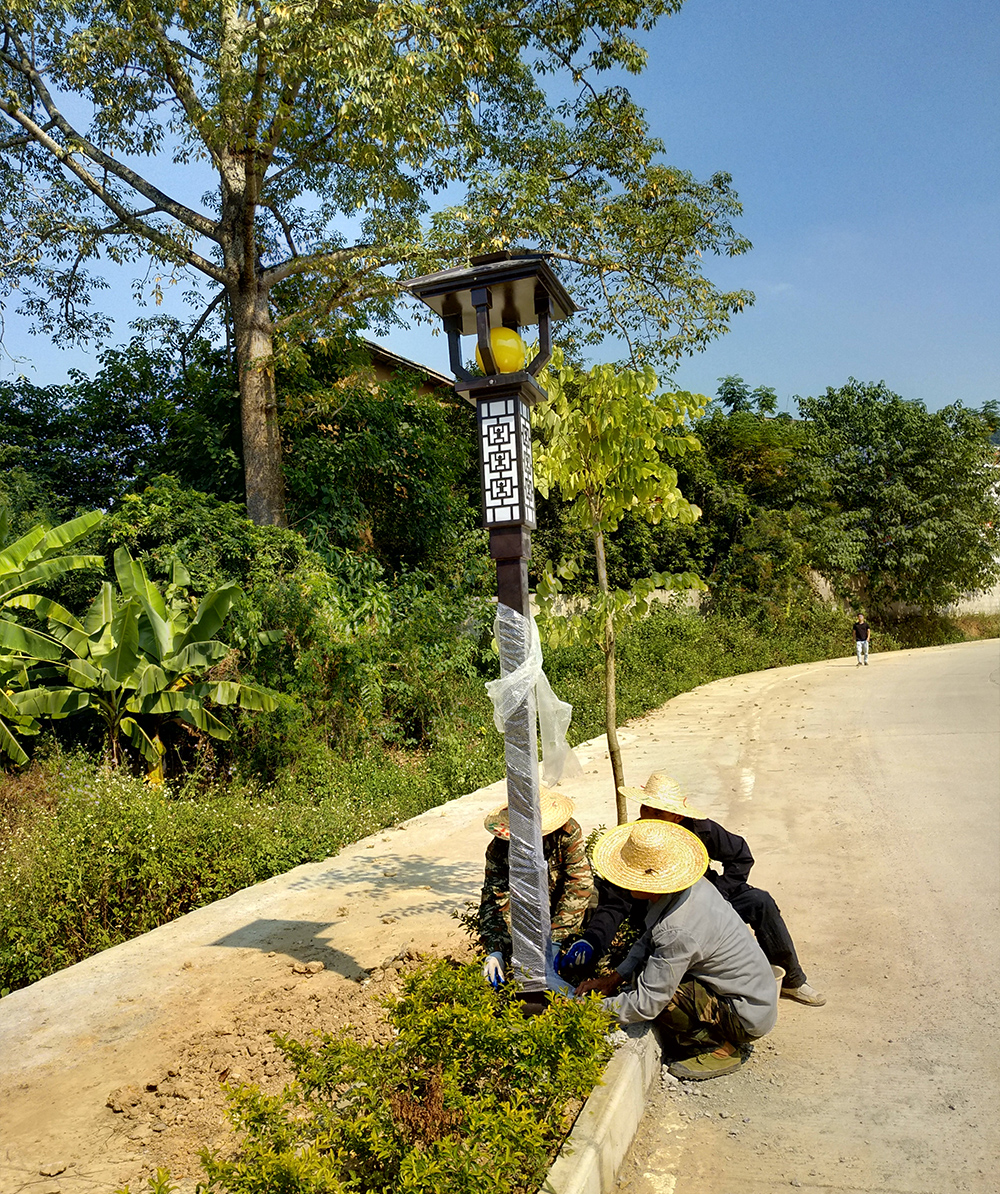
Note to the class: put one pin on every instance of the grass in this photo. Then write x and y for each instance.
(90, 856)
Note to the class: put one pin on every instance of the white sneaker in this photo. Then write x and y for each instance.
(804, 994)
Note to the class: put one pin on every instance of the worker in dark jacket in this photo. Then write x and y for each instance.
(662, 799)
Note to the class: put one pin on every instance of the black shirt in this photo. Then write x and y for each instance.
(861, 632)
(616, 904)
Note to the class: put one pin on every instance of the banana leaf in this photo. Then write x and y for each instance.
(196, 656)
(140, 740)
(187, 708)
(10, 746)
(50, 702)
(63, 625)
(212, 611)
(102, 610)
(229, 692)
(28, 642)
(121, 661)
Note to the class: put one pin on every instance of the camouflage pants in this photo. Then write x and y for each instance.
(700, 1019)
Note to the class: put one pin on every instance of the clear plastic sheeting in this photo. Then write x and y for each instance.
(514, 707)
(520, 636)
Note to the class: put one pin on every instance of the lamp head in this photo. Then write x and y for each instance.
(502, 290)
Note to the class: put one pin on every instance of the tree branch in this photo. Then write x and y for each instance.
(182, 84)
(129, 219)
(24, 67)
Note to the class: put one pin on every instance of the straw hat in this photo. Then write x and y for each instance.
(664, 793)
(655, 856)
(555, 807)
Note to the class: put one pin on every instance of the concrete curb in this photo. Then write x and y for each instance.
(589, 1161)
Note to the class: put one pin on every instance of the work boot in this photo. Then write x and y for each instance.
(804, 994)
(705, 1066)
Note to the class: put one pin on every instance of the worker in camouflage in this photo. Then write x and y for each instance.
(571, 882)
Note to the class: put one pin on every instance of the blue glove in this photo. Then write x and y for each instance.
(580, 953)
(493, 970)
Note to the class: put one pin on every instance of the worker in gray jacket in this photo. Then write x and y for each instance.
(699, 974)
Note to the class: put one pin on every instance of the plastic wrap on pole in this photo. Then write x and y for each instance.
(513, 698)
(507, 693)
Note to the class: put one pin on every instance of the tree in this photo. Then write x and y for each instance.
(323, 134)
(142, 414)
(916, 495)
(735, 395)
(604, 437)
(137, 659)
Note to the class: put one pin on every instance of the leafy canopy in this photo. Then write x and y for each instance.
(324, 136)
(917, 506)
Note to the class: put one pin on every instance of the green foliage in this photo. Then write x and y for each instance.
(604, 440)
(36, 558)
(138, 659)
(350, 650)
(86, 442)
(735, 395)
(100, 856)
(469, 1096)
(915, 493)
(373, 466)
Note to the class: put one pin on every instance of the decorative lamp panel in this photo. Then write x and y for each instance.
(505, 458)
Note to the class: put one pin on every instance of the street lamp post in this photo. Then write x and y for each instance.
(509, 291)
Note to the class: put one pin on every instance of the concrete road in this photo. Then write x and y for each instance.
(871, 800)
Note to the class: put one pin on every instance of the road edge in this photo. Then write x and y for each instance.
(589, 1160)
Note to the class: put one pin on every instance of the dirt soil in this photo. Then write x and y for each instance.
(175, 1104)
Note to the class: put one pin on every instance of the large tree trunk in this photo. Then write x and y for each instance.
(610, 699)
(254, 334)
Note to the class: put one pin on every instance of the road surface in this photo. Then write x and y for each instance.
(871, 800)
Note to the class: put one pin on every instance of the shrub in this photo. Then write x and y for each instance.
(469, 1096)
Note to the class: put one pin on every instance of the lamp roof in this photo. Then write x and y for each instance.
(513, 279)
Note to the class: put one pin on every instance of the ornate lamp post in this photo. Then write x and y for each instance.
(509, 291)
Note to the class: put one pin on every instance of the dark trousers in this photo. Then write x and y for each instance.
(763, 915)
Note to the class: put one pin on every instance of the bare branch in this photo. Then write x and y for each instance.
(220, 297)
(285, 226)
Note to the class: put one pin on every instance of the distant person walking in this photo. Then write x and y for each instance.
(862, 637)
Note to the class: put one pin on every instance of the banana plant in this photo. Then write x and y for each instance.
(35, 558)
(138, 658)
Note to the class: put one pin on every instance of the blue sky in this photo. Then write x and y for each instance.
(863, 141)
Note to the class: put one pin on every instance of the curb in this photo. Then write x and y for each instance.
(589, 1160)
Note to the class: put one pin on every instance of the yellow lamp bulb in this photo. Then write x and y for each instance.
(508, 351)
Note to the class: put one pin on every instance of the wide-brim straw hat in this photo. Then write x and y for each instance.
(664, 793)
(653, 856)
(556, 810)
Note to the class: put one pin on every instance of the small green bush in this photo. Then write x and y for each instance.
(469, 1096)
